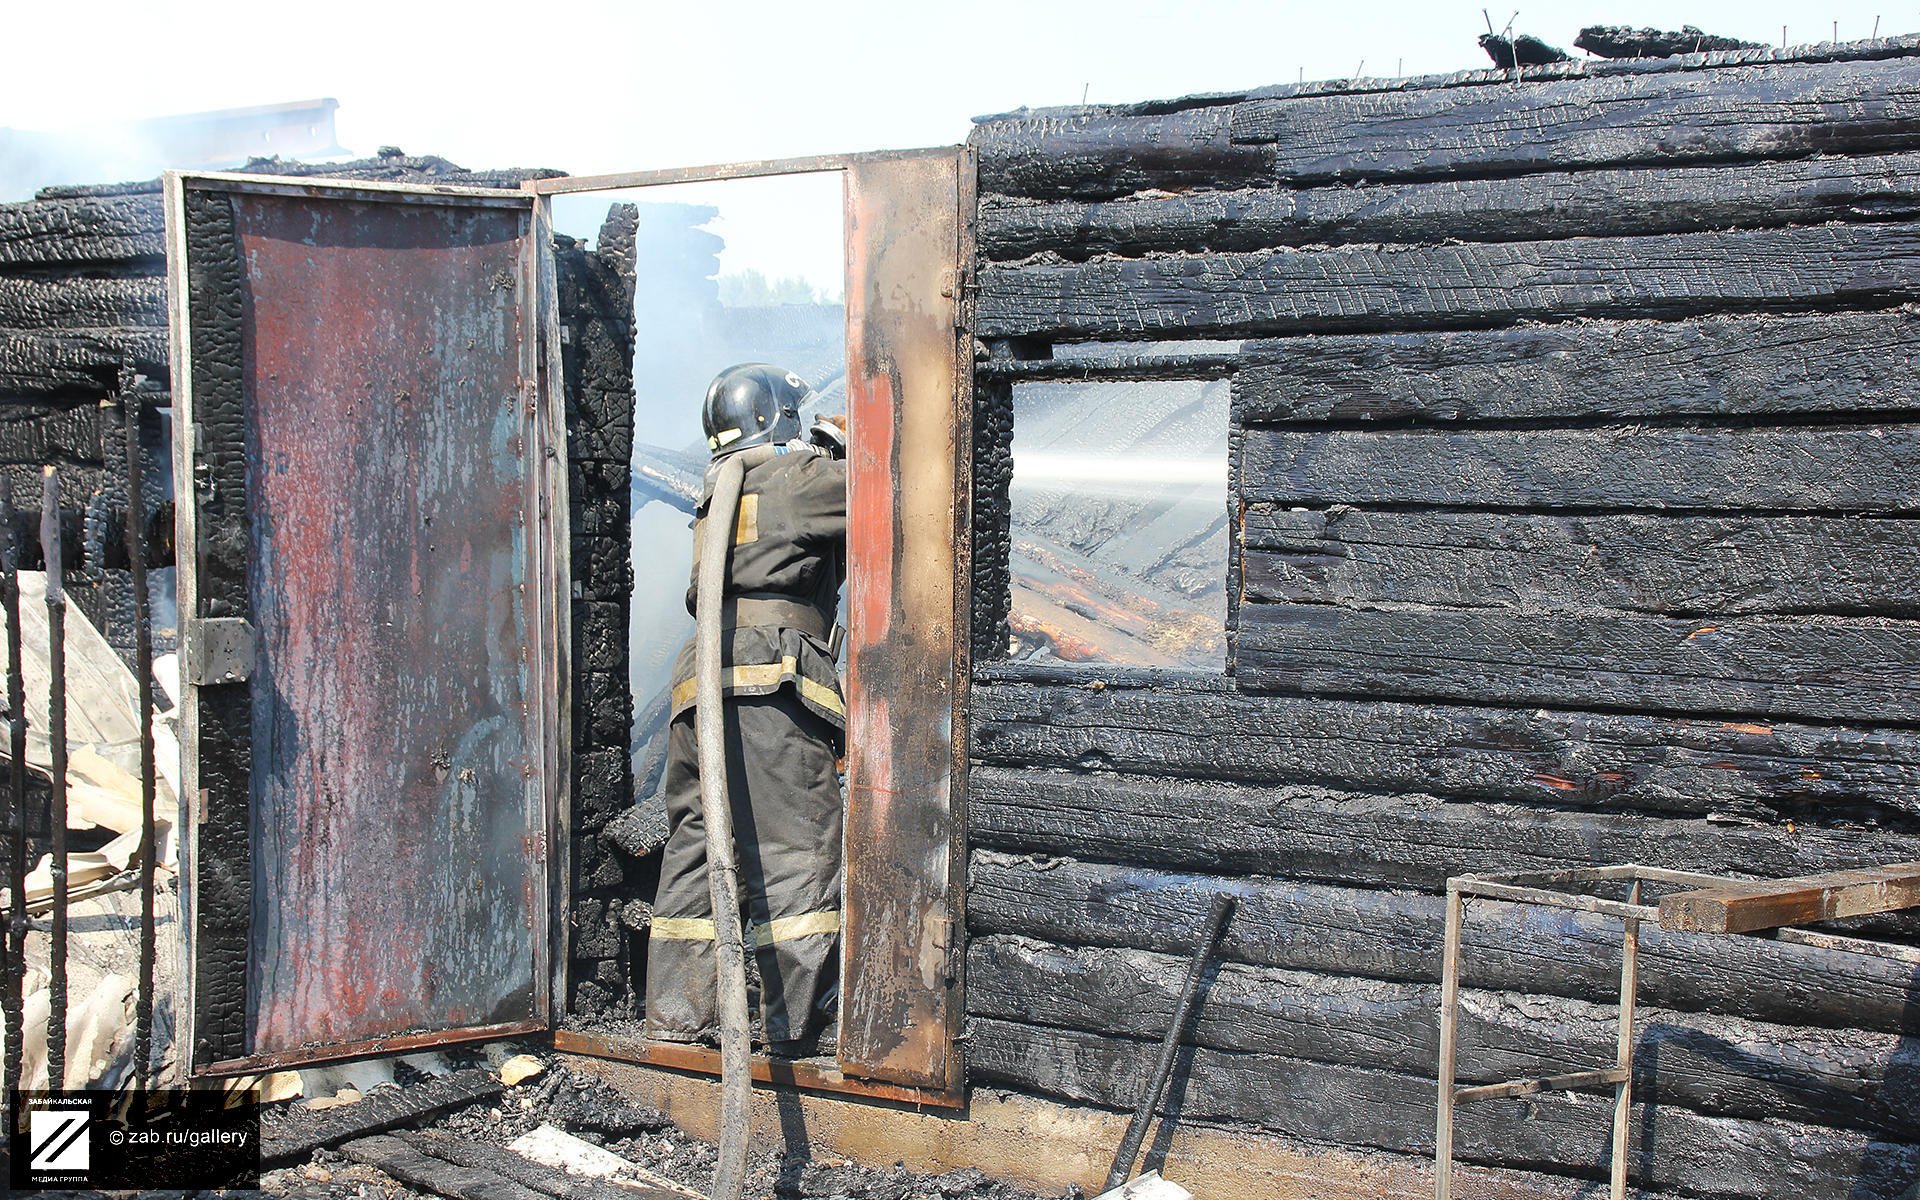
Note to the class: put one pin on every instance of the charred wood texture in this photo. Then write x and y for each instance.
(1524, 50)
(1746, 366)
(1680, 566)
(1501, 209)
(1092, 153)
(1369, 840)
(1739, 112)
(1331, 930)
(1863, 670)
(1616, 762)
(1403, 288)
(87, 229)
(1795, 468)
(1676, 1150)
(1714, 1064)
(1624, 41)
(82, 362)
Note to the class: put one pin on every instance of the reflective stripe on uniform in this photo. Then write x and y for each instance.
(765, 675)
(780, 929)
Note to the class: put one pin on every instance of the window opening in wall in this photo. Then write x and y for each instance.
(1118, 523)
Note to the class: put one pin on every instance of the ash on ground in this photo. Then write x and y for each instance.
(592, 1110)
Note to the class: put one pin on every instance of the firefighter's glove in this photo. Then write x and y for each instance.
(830, 435)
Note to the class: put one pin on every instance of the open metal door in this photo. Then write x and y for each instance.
(372, 722)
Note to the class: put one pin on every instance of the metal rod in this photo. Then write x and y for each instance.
(143, 670)
(1449, 1032)
(57, 740)
(1834, 941)
(1590, 904)
(713, 172)
(1170, 1045)
(1623, 1062)
(1572, 1081)
(16, 931)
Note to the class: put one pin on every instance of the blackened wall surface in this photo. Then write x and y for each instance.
(1575, 450)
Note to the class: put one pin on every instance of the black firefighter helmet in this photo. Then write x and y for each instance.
(751, 404)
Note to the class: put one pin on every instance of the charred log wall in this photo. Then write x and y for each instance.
(1575, 457)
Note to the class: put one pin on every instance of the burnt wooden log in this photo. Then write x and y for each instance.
(1613, 761)
(1523, 50)
(86, 229)
(1710, 1063)
(1716, 366)
(54, 362)
(1734, 113)
(38, 433)
(1356, 288)
(1394, 841)
(1795, 468)
(1860, 669)
(1566, 1133)
(412, 1165)
(1608, 202)
(1373, 934)
(1720, 565)
(1092, 152)
(1624, 41)
(290, 1135)
(81, 302)
(486, 1156)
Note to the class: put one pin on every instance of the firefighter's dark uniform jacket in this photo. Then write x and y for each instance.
(784, 728)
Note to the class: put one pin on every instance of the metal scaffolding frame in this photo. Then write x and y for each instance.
(1549, 889)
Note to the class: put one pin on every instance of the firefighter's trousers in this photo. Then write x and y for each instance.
(786, 821)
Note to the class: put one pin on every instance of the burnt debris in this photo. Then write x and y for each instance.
(1624, 41)
(1525, 50)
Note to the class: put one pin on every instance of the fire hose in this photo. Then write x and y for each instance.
(723, 868)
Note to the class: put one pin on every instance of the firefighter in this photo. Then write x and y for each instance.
(785, 723)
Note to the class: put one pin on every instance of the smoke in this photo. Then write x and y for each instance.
(137, 150)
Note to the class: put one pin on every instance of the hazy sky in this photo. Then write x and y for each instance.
(591, 86)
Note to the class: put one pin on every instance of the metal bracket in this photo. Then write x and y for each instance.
(219, 650)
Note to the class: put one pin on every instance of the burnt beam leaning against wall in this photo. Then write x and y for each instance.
(1573, 522)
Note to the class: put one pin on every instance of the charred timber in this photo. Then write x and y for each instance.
(1524, 50)
(51, 363)
(1366, 288)
(1747, 365)
(84, 229)
(1710, 1063)
(1864, 670)
(81, 302)
(1622, 762)
(1090, 154)
(1678, 566)
(1796, 468)
(1563, 1133)
(1374, 934)
(1736, 113)
(1401, 840)
(1624, 41)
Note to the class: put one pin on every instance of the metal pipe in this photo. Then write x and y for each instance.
(1449, 1032)
(143, 670)
(1170, 1045)
(723, 869)
(16, 931)
(1623, 1062)
(57, 739)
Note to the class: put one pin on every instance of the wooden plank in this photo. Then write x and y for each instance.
(1860, 669)
(1398, 840)
(1713, 1157)
(37, 363)
(1805, 469)
(1624, 762)
(83, 229)
(292, 1135)
(1734, 113)
(1090, 153)
(1713, 366)
(1721, 565)
(1707, 1062)
(411, 1165)
(1570, 1081)
(1396, 936)
(1500, 209)
(1356, 288)
(1772, 903)
(82, 302)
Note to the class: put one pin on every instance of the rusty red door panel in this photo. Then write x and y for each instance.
(397, 577)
